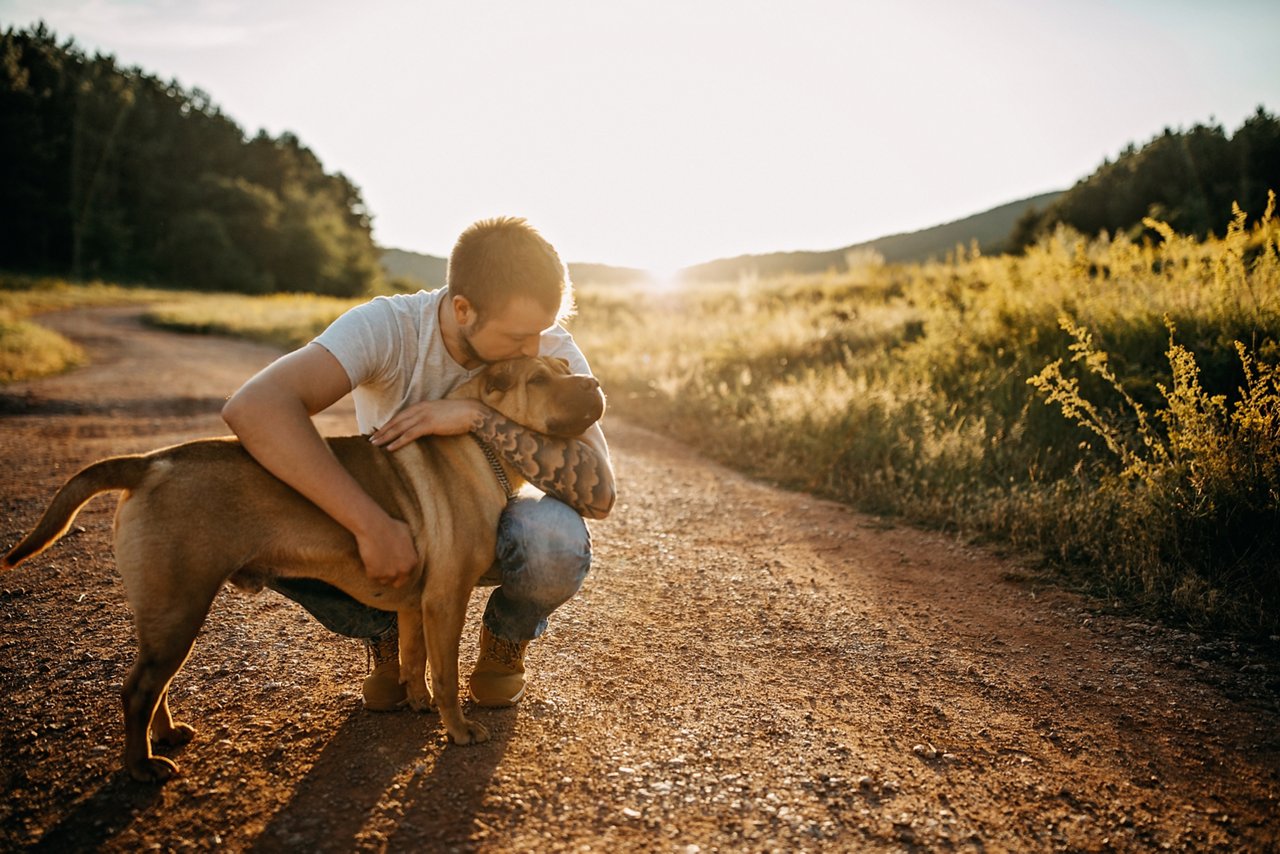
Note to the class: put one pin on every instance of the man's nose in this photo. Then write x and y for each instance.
(530, 347)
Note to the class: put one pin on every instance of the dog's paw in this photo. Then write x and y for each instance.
(469, 733)
(180, 734)
(153, 769)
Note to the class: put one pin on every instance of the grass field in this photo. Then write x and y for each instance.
(1111, 404)
(286, 320)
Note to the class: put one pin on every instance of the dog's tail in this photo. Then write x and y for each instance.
(104, 476)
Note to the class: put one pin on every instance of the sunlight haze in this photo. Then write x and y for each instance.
(658, 135)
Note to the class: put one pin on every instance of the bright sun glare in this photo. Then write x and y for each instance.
(663, 278)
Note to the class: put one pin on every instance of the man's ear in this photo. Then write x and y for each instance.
(498, 378)
(463, 310)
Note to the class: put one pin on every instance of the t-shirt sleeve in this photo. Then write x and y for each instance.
(364, 340)
(558, 342)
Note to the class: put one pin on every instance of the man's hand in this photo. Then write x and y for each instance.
(429, 418)
(387, 552)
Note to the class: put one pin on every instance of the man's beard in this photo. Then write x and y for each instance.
(468, 351)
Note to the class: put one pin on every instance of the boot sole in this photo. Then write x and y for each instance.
(499, 703)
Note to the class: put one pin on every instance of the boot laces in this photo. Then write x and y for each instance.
(509, 653)
(381, 649)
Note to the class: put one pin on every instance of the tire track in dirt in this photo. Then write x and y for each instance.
(745, 669)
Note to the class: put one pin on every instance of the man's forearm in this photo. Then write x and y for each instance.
(271, 414)
(281, 437)
(568, 469)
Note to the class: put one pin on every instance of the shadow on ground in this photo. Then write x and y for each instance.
(101, 816)
(388, 774)
(377, 776)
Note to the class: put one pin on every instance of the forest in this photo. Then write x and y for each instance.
(1183, 178)
(110, 173)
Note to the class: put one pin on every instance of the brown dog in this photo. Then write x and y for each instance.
(201, 513)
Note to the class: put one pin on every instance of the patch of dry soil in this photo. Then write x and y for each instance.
(746, 669)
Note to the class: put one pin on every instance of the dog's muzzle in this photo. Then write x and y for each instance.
(582, 403)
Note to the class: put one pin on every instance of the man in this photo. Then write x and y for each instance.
(399, 356)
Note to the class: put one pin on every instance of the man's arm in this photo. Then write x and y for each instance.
(576, 471)
(271, 414)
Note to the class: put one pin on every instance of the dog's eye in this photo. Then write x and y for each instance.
(539, 379)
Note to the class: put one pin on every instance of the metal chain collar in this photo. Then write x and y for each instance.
(492, 457)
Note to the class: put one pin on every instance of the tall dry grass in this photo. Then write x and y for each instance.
(904, 390)
(285, 320)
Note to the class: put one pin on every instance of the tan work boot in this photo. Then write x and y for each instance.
(382, 689)
(498, 679)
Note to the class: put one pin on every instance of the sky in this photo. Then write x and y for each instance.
(663, 133)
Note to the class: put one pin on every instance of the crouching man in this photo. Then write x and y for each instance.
(506, 294)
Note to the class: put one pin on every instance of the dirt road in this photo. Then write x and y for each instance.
(745, 669)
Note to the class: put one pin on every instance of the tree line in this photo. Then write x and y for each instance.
(109, 172)
(1188, 179)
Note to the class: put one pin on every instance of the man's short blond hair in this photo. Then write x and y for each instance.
(496, 259)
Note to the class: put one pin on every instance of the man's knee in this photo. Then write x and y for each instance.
(544, 549)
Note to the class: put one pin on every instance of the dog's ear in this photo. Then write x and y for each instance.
(499, 378)
(564, 362)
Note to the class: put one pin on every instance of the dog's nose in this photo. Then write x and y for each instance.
(589, 383)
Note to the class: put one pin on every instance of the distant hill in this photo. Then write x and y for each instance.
(603, 274)
(990, 228)
(428, 271)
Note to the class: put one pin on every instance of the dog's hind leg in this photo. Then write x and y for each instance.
(167, 627)
(144, 688)
(413, 660)
(165, 733)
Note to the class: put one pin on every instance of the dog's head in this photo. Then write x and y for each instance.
(542, 394)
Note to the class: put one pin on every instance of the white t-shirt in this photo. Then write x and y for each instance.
(394, 354)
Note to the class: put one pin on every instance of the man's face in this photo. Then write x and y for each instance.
(510, 332)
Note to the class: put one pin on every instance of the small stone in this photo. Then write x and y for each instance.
(927, 751)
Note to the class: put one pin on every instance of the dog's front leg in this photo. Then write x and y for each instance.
(413, 659)
(443, 613)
